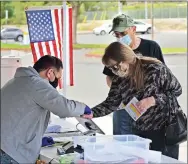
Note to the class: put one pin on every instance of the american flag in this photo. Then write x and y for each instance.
(46, 36)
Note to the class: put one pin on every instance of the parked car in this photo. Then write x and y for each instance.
(12, 33)
(141, 27)
(103, 29)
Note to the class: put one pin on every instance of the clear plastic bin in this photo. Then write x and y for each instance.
(129, 140)
(114, 149)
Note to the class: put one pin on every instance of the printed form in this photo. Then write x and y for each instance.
(132, 109)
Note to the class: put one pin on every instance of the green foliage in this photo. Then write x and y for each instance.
(123, 2)
(17, 16)
(6, 6)
(81, 18)
(16, 10)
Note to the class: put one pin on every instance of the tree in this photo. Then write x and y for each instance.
(75, 13)
(124, 2)
(6, 6)
(17, 14)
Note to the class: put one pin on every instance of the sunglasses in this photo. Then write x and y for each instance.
(115, 67)
(119, 34)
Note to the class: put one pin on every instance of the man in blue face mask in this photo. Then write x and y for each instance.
(27, 101)
(124, 30)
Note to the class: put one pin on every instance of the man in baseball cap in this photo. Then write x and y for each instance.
(124, 30)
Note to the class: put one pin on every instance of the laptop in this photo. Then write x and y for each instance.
(89, 125)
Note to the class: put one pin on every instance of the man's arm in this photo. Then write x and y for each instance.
(109, 75)
(157, 53)
(49, 98)
(111, 103)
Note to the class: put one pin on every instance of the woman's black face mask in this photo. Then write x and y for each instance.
(54, 83)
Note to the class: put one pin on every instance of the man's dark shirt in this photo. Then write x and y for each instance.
(147, 48)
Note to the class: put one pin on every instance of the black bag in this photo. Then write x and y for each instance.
(176, 129)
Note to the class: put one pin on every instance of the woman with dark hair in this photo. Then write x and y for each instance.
(147, 79)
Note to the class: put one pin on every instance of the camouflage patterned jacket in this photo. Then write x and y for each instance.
(159, 82)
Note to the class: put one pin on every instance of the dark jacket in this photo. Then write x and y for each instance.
(158, 80)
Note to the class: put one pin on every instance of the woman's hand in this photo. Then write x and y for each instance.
(145, 104)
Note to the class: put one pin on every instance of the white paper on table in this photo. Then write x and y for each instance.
(64, 123)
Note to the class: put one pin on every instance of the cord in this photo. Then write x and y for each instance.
(51, 161)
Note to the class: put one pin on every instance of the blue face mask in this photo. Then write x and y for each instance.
(125, 40)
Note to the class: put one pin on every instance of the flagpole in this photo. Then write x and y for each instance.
(64, 48)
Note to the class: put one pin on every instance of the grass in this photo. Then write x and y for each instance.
(97, 49)
(14, 46)
(100, 52)
(174, 50)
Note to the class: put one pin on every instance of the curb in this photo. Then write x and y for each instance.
(93, 55)
(19, 49)
(99, 55)
(26, 50)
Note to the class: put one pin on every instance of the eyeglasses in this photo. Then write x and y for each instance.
(115, 67)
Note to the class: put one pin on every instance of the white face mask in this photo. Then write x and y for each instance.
(120, 73)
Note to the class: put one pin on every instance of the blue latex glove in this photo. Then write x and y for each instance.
(53, 129)
(87, 110)
(47, 141)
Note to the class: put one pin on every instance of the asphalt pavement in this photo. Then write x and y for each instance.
(168, 39)
(165, 39)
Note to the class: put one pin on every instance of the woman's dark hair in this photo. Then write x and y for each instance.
(46, 62)
(123, 53)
